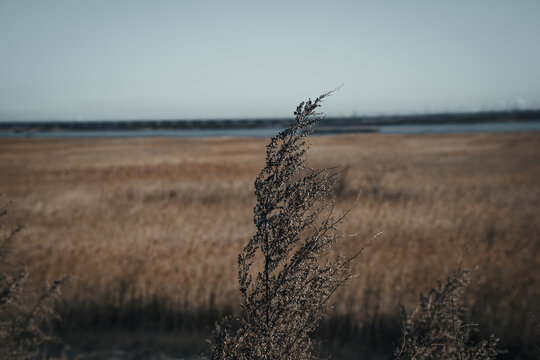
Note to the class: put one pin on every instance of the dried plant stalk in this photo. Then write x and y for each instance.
(285, 299)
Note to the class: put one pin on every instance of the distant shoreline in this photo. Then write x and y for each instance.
(327, 125)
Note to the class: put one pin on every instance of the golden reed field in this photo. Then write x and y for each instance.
(149, 229)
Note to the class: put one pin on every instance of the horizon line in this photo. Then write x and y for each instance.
(270, 118)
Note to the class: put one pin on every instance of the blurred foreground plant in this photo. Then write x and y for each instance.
(25, 316)
(436, 330)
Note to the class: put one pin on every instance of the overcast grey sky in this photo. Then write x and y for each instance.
(127, 59)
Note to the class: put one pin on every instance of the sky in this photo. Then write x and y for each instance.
(129, 59)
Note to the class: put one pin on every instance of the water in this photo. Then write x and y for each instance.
(265, 132)
(460, 128)
(268, 132)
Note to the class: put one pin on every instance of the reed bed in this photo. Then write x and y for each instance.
(149, 229)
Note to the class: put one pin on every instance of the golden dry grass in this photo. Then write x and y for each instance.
(149, 229)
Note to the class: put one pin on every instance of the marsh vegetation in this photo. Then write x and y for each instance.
(150, 229)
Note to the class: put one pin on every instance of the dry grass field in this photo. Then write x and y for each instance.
(149, 229)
